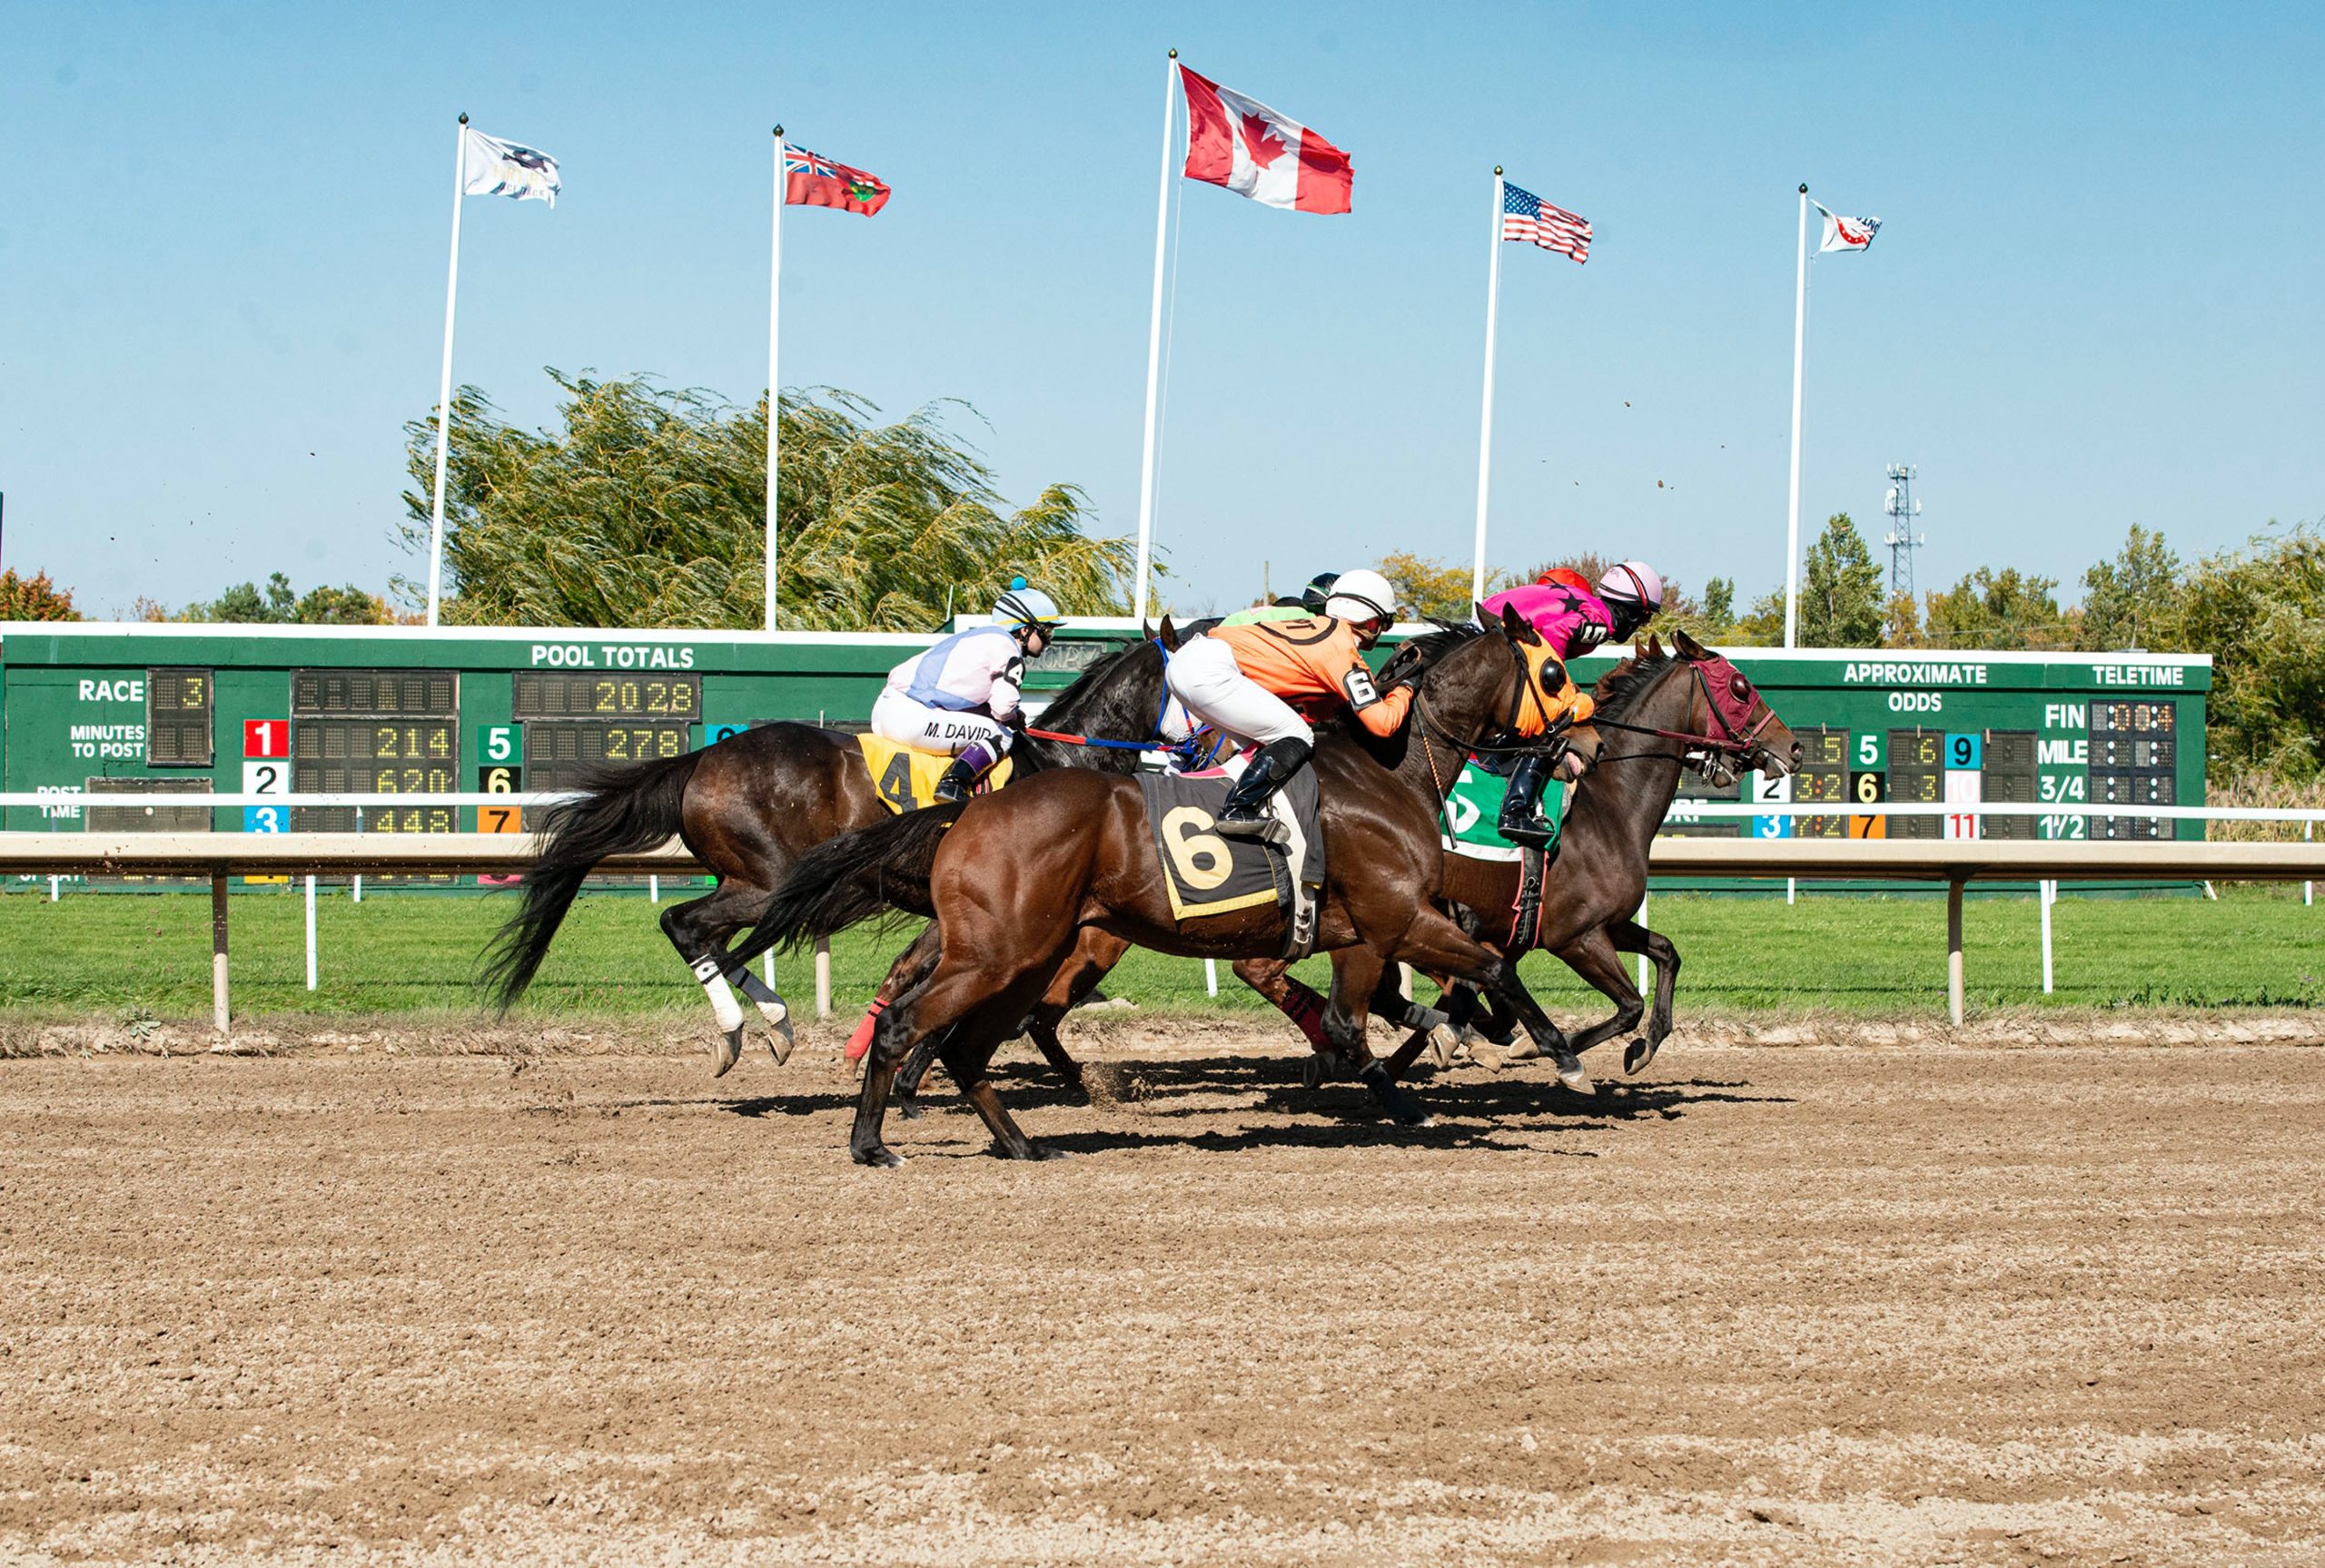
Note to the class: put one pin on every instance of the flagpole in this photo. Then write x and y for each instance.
(444, 383)
(773, 387)
(1800, 341)
(1484, 422)
(1155, 352)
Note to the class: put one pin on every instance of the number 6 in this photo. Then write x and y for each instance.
(1201, 857)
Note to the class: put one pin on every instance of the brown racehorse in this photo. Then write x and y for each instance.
(1017, 875)
(751, 805)
(1651, 720)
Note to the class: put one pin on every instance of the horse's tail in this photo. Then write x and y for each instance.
(621, 811)
(854, 877)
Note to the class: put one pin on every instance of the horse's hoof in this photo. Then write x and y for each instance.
(726, 1052)
(1524, 1051)
(879, 1155)
(1637, 1055)
(1311, 1072)
(1402, 1107)
(1032, 1151)
(780, 1040)
(1439, 1050)
(908, 1109)
(1570, 1073)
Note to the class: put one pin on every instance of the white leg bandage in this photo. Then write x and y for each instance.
(771, 1007)
(723, 1005)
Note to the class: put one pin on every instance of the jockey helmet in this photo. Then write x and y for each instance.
(1363, 595)
(1319, 589)
(1634, 592)
(1023, 609)
(1566, 577)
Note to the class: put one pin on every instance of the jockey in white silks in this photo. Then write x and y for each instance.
(958, 698)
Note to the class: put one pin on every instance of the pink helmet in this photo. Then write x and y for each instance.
(1633, 582)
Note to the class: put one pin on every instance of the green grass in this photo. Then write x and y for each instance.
(120, 954)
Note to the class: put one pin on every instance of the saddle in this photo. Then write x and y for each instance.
(1207, 872)
(906, 779)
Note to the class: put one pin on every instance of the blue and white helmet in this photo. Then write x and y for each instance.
(1022, 607)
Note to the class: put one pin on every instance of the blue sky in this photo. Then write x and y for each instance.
(2094, 300)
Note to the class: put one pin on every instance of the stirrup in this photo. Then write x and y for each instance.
(1267, 827)
(1531, 833)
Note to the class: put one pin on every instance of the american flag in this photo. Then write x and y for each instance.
(1526, 216)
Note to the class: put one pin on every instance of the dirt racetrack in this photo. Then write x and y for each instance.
(1916, 1303)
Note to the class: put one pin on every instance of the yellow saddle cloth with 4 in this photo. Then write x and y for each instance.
(906, 779)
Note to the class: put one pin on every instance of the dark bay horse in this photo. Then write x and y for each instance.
(1656, 711)
(1016, 877)
(750, 807)
(1651, 720)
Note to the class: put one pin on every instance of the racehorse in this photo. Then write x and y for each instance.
(1015, 877)
(751, 805)
(1593, 888)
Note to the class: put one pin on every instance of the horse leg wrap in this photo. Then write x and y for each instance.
(723, 1005)
(772, 1008)
(1303, 1007)
(1428, 1019)
(860, 1040)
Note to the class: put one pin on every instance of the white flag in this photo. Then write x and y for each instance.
(1846, 233)
(491, 167)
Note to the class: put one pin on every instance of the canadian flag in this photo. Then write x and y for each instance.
(1242, 143)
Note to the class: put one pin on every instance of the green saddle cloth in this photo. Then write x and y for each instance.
(1475, 807)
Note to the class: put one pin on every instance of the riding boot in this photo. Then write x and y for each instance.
(1245, 814)
(1521, 820)
(961, 779)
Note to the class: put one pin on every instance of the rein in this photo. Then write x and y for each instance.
(1101, 744)
(1732, 744)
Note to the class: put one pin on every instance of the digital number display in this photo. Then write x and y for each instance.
(2134, 761)
(2008, 775)
(1823, 776)
(373, 757)
(579, 695)
(146, 818)
(1916, 761)
(558, 753)
(177, 718)
(379, 694)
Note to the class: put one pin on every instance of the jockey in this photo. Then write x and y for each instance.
(1311, 602)
(1573, 619)
(1235, 678)
(958, 698)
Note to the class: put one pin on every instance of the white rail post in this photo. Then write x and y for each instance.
(653, 889)
(2045, 893)
(2309, 889)
(220, 1011)
(1211, 977)
(1954, 951)
(311, 934)
(823, 977)
(53, 892)
(1642, 957)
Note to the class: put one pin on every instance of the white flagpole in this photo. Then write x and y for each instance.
(1485, 421)
(773, 387)
(1154, 350)
(1800, 341)
(444, 383)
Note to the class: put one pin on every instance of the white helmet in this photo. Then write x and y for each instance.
(1633, 582)
(1020, 605)
(1362, 594)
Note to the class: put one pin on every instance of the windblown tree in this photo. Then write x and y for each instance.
(648, 509)
(2131, 602)
(1840, 599)
(2260, 612)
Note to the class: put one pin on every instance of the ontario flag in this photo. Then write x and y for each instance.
(812, 179)
(1243, 144)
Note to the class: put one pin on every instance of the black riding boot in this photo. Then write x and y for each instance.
(1245, 814)
(1521, 820)
(961, 778)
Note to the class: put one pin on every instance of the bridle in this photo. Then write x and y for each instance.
(1732, 741)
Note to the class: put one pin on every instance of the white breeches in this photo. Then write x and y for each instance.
(896, 717)
(1203, 676)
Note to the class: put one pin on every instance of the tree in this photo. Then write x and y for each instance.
(1762, 625)
(1901, 622)
(1841, 605)
(2129, 602)
(2260, 612)
(1720, 607)
(648, 509)
(35, 598)
(1433, 589)
(246, 604)
(2000, 610)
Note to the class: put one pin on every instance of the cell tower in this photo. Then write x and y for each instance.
(1902, 539)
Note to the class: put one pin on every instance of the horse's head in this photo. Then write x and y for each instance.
(1729, 710)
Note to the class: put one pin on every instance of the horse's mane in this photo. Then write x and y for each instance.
(1620, 688)
(1083, 685)
(1420, 653)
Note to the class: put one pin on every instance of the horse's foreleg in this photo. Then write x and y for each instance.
(1592, 956)
(1356, 976)
(1630, 936)
(1094, 957)
(1435, 943)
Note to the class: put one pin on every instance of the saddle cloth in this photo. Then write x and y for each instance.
(906, 779)
(1208, 872)
(1474, 807)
